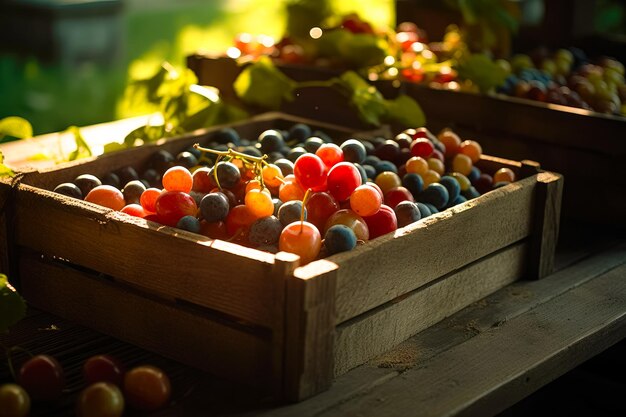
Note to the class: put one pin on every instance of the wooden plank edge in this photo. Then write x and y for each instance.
(309, 330)
(549, 193)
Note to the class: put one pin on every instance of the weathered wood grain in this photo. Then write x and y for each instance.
(393, 265)
(215, 274)
(546, 224)
(310, 331)
(154, 324)
(490, 371)
(362, 338)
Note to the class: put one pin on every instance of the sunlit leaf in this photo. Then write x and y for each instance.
(82, 147)
(16, 127)
(262, 84)
(405, 111)
(147, 133)
(12, 305)
(114, 147)
(41, 156)
(482, 71)
(5, 171)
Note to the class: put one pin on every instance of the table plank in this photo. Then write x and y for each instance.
(506, 363)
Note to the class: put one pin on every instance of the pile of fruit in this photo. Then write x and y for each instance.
(568, 78)
(296, 190)
(109, 387)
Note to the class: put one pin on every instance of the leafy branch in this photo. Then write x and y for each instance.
(263, 85)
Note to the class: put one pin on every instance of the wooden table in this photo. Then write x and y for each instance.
(479, 361)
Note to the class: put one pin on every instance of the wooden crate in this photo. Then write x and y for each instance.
(316, 102)
(261, 318)
(588, 148)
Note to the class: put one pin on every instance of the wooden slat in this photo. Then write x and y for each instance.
(391, 266)
(226, 277)
(309, 341)
(284, 266)
(153, 324)
(546, 224)
(498, 367)
(564, 126)
(375, 332)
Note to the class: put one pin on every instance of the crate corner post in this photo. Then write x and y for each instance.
(309, 330)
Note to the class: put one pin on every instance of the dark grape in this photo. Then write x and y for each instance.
(152, 176)
(186, 159)
(452, 185)
(214, 207)
(290, 212)
(407, 212)
(299, 132)
(111, 178)
(285, 165)
(228, 174)
(189, 223)
(424, 210)
(87, 182)
(370, 171)
(271, 141)
(265, 231)
(472, 192)
(362, 172)
(388, 150)
(132, 191)
(296, 153)
(383, 166)
(69, 189)
(161, 160)
(435, 194)
(252, 151)
(414, 183)
(354, 151)
(127, 174)
(339, 238)
(225, 136)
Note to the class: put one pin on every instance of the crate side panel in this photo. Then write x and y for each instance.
(167, 261)
(158, 326)
(393, 265)
(376, 332)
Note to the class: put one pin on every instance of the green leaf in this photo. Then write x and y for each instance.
(405, 111)
(358, 50)
(147, 133)
(82, 147)
(114, 147)
(12, 305)
(368, 101)
(16, 127)
(482, 71)
(262, 84)
(5, 171)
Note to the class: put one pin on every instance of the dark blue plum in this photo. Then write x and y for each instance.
(189, 223)
(435, 194)
(414, 183)
(290, 212)
(452, 185)
(424, 210)
(271, 141)
(339, 238)
(353, 151)
(214, 207)
(265, 231)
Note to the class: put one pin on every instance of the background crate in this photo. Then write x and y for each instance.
(261, 318)
(588, 148)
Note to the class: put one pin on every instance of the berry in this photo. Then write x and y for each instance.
(339, 238)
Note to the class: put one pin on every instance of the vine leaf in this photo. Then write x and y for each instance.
(12, 305)
(5, 171)
(262, 84)
(16, 127)
(82, 147)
